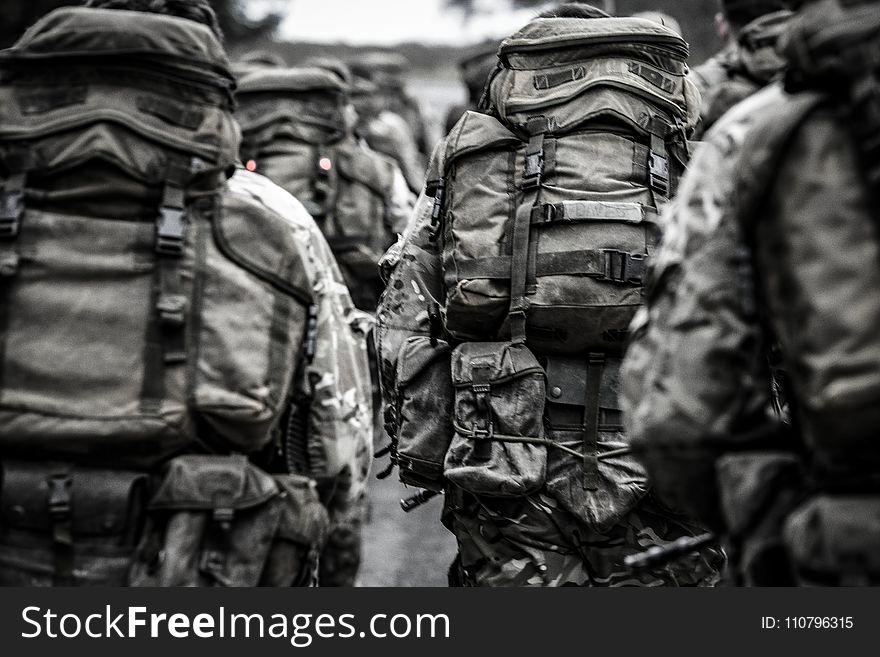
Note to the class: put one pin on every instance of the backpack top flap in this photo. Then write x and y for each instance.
(631, 67)
(309, 102)
(131, 88)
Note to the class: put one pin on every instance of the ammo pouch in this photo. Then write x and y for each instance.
(63, 525)
(423, 409)
(221, 521)
(835, 541)
(499, 447)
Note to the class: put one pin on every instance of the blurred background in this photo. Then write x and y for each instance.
(435, 36)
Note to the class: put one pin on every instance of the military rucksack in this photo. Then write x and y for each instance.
(293, 123)
(544, 218)
(586, 142)
(149, 307)
(753, 64)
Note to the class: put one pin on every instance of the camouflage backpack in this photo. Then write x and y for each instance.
(752, 63)
(147, 310)
(293, 123)
(811, 181)
(544, 217)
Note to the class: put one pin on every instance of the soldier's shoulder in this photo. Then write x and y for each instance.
(276, 202)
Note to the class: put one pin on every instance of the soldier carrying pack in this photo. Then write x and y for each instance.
(151, 319)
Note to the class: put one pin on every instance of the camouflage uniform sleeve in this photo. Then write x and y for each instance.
(337, 381)
(692, 374)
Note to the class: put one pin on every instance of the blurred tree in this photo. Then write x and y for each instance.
(239, 26)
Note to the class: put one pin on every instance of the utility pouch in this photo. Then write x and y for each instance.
(499, 448)
(424, 406)
(835, 541)
(63, 525)
(221, 521)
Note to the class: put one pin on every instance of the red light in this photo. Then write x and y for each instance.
(325, 163)
(251, 165)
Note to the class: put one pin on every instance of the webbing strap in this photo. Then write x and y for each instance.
(522, 260)
(658, 162)
(602, 264)
(61, 514)
(595, 367)
(12, 197)
(605, 211)
(165, 340)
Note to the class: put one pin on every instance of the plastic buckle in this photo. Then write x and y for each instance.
(659, 172)
(439, 194)
(635, 268)
(534, 169)
(615, 266)
(11, 211)
(59, 496)
(172, 309)
(546, 214)
(478, 433)
(170, 231)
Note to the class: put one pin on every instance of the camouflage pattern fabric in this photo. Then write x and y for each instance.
(739, 70)
(532, 541)
(699, 304)
(337, 381)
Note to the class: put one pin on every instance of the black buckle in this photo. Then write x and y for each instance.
(546, 214)
(439, 196)
(479, 433)
(623, 267)
(658, 167)
(59, 497)
(11, 211)
(172, 309)
(170, 231)
(534, 169)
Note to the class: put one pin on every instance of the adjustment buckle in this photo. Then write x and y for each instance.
(623, 267)
(533, 170)
(170, 231)
(658, 167)
(59, 497)
(172, 309)
(11, 211)
(439, 197)
(479, 433)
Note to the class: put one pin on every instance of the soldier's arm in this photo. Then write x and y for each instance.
(691, 372)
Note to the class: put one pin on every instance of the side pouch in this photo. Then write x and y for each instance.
(499, 448)
(221, 521)
(64, 525)
(424, 405)
(835, 541)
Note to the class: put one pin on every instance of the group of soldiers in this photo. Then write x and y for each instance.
(622, 324)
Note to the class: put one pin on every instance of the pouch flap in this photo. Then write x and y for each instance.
(836, 535)
(100, 502)
(204, 483)
(251, 234)
(566, 382)
(477, 132)
(416, 356)
(492, 362)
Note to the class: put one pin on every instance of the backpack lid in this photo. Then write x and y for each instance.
(70, 33)
(550, 35)
(292, 80)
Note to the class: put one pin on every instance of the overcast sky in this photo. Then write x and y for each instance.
(396, 21)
